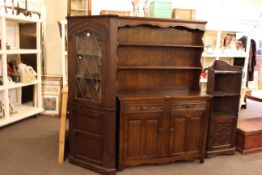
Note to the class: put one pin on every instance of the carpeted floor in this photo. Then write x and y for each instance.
(30, 147)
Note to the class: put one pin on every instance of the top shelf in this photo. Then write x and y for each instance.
(21, 18)
(213, 55)
(159, 45)
(226, 72)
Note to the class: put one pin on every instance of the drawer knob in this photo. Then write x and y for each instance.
(159, 129)
(187, 106)
(144, 108)
(172, 129)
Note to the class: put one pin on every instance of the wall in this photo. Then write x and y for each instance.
(55, 11)
(226, 14)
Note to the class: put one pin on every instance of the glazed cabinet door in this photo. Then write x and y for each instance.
(88, 58)
(140, 133)
(187, 132)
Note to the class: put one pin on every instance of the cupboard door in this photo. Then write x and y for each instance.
(86, 141)
(187, 133)
(140, 138)
(222, 134)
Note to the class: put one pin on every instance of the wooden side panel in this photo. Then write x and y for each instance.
(134, 138)
(86, 139)
(177, 137)
(185, 133)
(221, 134)
(142, 136)
(87, 147)
(155, 56)
(151, 79)
(193, 134)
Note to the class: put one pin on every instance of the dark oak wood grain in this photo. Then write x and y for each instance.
(249, 134)
(224, 83)
(134, 95)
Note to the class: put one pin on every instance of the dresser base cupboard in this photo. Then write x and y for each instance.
(162, 130)
(134, 95)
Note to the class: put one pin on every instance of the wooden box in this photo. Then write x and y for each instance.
(249, 135)
(27, 77)
(115, 12)
(183, 13)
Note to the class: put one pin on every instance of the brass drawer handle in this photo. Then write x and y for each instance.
(159, 129)
(144, 108)
(188, 106)
(172, 129)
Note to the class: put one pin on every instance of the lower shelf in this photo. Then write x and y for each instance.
(23, 111)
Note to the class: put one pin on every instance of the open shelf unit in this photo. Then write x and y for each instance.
(13, 107)
(224, 83)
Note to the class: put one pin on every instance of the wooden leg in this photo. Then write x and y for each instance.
(62, 126)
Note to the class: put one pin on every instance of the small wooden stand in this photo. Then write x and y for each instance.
(62, 130)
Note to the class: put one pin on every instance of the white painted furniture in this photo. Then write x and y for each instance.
(9, 34)
(214, 51)
(63, 29)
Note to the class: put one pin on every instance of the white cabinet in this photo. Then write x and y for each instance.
(63, 34)
(13, 107)
(225, 45)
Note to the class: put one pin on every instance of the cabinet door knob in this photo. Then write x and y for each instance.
(172, 129)
(159, 129)
(144, 108)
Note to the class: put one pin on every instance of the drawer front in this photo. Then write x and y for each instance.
(142, 106)
(189, 105)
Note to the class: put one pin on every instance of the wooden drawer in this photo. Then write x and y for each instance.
(192, 105)
(140, 106)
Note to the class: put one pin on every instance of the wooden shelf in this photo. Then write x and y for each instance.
(223, 94)
(18, 85)
(7, 89)
(160, 68)
(217, 114)
(20, 18)
(224, 55)
(159, 45)
(23, 51)
(226, 72)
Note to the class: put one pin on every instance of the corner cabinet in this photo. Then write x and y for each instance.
(17, 46)
(134, 95)
(224, 83)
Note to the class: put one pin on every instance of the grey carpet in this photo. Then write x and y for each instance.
(30, 147)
